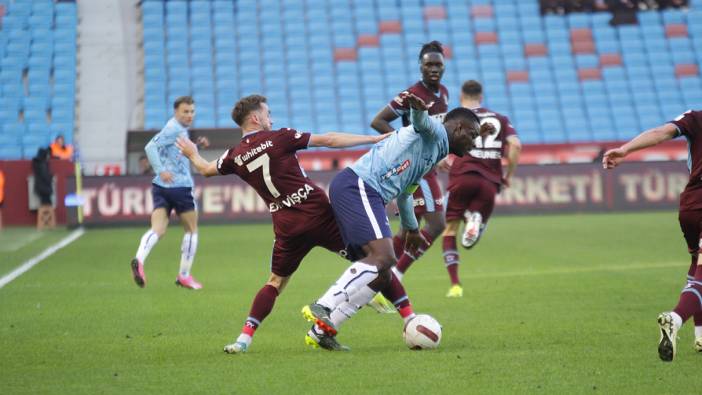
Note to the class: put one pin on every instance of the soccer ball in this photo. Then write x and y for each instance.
(422, 332)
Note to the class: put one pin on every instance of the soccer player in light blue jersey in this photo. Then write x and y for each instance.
(172, 189)
(392, 169)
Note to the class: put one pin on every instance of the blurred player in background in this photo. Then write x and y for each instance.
(428, 199)
(689, 305)
(391, 170)
(302, 217)
(474, 181)
(172, 190)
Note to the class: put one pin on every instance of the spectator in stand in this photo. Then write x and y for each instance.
(61, 150)
(145, 168)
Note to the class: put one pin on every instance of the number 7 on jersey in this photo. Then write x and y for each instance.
(264, 161)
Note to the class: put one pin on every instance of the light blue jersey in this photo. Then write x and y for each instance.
(165, 156)
(394, 166)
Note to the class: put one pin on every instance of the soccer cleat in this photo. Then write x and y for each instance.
(698, 344)
(474, 223)
(669, 337)
(324, 341)
(236, 348)
(318, 314)
(381, 304)
(456, 291)
(138, 273)
(187, 282)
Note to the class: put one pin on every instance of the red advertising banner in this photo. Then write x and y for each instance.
(535, 189)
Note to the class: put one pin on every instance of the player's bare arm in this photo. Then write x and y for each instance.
(382, 120)
(343, 140)
(514, 150)
(202, 142)
(189, 149)
(649, 138)
(415, 102)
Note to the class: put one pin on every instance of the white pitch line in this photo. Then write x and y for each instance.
(6, 279)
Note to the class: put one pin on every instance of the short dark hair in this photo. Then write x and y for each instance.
(182, 99)
(245, 106)
(463, 114)
(434, 46)
(472, 88)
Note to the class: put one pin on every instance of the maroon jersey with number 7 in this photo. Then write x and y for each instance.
(266, 160)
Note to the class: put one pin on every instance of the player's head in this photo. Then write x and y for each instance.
(462, 127)
(252, 113)
(431, 62)
(184, 109)
(472, 90)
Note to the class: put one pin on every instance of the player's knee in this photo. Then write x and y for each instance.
(386, 261)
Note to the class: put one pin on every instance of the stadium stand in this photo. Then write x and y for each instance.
(332, 64)
(37, 72)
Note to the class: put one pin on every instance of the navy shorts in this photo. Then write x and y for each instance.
(180, 198)
(359, 211)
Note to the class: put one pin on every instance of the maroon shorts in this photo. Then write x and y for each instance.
(691, 226)
(289, 251)
(428, 197)
(471, 192)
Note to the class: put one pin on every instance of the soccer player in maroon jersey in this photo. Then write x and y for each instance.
(474, 181)
(428, 199)
(689, 125)
(302, 216)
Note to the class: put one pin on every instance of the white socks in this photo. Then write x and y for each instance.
(148, 241)
(677, 320)
(346, 310)
(187, 249)
(698, 332)
(244, 338)
(355, 278)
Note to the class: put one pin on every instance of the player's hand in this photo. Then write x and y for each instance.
(613, 158)
(166, 176)
(381, 137)
(413, 241)
(415, 102)
(444, 165)
(186, 147)
(202, 142)
(487, 129)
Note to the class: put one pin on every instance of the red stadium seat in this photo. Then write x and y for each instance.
(581, 47)
(481, 11)
(535, 50)
(675, 30)
(610, 59)
(485, 38)
(517, 76)
(683, 70)
(368, 40)
(345, 54)
(581, 34)
(589, 74)
(434, 12)
(390, 27)
(448, 52)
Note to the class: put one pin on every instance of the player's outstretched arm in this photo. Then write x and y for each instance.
(343, 140)
(381, 122)
(189, 149)
(514, 150)
(649, 138)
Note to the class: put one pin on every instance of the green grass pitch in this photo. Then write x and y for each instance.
(552, 304)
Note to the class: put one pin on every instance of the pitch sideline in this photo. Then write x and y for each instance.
(30, 263)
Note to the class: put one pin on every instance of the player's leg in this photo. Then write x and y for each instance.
(690, 301)
(479, 210)
(187, 211)
(261, 307)
(432, 211)
(691, 226)
(159, 224)
(452, 258)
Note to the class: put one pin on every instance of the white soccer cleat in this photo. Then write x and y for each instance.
(236, 348)
(667, 345)
(698, 344)
(474, 223)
